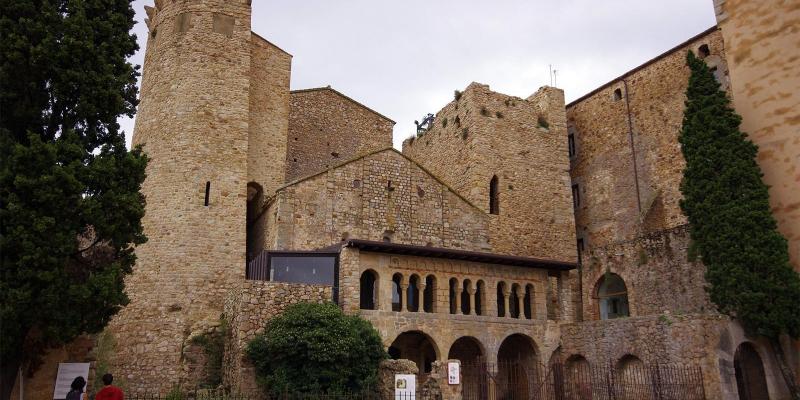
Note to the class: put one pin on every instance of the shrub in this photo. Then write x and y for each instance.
(313, 348)
(457, 95)
(444, 123)
(543, 122)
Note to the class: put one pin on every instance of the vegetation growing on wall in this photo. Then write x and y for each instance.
(213, 344)
(731, 225)
(316, 348)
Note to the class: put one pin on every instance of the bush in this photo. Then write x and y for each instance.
(314, 348)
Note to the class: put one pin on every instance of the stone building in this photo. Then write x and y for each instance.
(523, 235)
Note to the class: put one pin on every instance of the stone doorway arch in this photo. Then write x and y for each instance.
(417, 347)
(751, 382)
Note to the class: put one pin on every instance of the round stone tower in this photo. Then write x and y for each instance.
(193, 124)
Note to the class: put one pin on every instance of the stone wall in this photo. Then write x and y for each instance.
(269, 114)
(327, 127)
(616, 202)
(193, 121)
(441, 325)
(247, 310)
(657, 272)
(761, 41)
(483, 134)
(380, 196)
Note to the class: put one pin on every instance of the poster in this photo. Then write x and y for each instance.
(453, 373)
(405, 386)
(67, 372)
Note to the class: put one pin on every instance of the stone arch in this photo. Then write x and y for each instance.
(513, 301)
(517, 366)
(412, 293)
(611, 294)
(466, 301)
(470, 351)
(480, 298)
(528, 302)
(501, 299)
(577, 377)
(397, 292)
(368, 294)
(467, 349)
(453, 293)
(416, 346)
(751, 381)
(256, 221)
(429, 294)
(633, 378)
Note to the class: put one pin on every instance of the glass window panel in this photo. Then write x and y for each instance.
(316, 270)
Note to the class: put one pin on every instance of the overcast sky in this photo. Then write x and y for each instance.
(405, 58)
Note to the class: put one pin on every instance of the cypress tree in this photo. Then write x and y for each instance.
(747, 260)
(70, 206)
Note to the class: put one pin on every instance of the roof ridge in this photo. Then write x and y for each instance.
(345, 96)
(367, 154)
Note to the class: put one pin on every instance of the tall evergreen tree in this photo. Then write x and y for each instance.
(731, 225)
(70, 206)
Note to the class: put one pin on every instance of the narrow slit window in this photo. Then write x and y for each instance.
(208, 193)
(576, 196)
(571, 144)
(494, 201)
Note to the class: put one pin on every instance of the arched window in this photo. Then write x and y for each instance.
(465, 300)
(612, 296)
(703, 51)
(453, 293)
(527, 302)
(513, 301)
(494, 196)
(368, 294)
(412, 294)
(397, 292)
(501, 299)
(428, 301)
(751, 382)
(480, 287)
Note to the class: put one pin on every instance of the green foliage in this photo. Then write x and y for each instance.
(664, 319)
(542, 122)
(444, 123)
(731, 225)
(213, 345)
(316, 348)
(457, 95)
(69, 189)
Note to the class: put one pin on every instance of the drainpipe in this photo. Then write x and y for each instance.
(633, 148)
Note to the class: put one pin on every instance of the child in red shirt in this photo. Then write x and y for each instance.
(109, 392)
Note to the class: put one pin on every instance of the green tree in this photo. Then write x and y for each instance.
(316, 348)
(731, 225)
(70, 206)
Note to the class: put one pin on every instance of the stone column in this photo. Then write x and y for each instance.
(506, 302)
(421, 296)
(472, 292)
(520, 309)
(459, 289)
(403, 297)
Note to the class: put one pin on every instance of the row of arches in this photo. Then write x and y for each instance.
(420, 348)
(465, 297)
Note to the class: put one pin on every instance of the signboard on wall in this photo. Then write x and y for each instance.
(405, 386)
(453, 373)
(67, 372)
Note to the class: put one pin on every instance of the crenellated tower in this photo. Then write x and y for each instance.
(193, 121)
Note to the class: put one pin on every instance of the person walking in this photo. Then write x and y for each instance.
(109, 391)
(76, 389)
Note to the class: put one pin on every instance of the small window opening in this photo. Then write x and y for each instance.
(208, 193)
(612, 295)
(397, 292)
(703, 51)
(494, 201)
(617, 94)
(571, 144)
(576, 196)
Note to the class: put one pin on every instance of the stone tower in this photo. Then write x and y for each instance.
(509, 157)
(193, 121)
